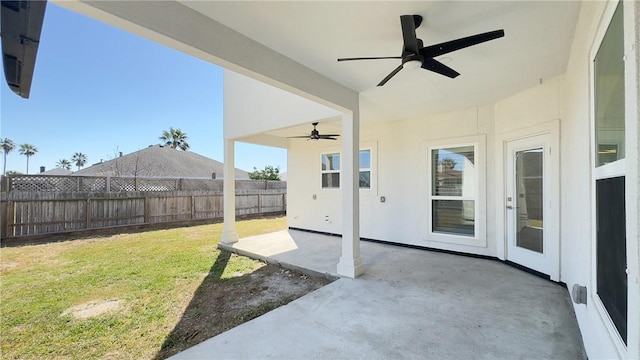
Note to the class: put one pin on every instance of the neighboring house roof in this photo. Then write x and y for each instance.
(56, 171)
(161, 161)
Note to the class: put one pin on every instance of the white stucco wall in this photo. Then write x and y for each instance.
(399, 160)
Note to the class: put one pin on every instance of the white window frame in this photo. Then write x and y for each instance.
(322, 171)
(610, 170)
(361, 169)
(372, 147)
(479, 239)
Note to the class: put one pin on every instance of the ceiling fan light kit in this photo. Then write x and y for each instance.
(415, 55)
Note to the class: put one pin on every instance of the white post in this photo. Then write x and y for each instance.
(229, 234)
(350, 264)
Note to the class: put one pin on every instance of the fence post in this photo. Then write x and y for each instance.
(108, 184)
(136, 183)
(193, 206)
(284, 201)
(11, 218)
(259, 204)
(88, 213)
(146, 209)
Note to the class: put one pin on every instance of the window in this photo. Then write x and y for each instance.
(331, 170)
(608, 67)
(454, 182)
(365, 169)
(610, 255)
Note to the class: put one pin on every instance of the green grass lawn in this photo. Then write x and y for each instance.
(153, 273)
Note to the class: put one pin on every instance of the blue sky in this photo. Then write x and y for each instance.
(99, 90)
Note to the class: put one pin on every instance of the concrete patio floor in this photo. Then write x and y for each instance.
(409, 304)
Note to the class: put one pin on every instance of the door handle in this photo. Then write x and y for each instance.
(509, 207)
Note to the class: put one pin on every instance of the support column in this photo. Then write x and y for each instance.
(229, 234)
(350, 264)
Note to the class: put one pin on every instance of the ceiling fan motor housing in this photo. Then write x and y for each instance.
(416, 55)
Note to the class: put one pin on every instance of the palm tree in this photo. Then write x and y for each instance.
(7, 145)
(80, 159)
(175, 138)
(64, 164)
(28, 150)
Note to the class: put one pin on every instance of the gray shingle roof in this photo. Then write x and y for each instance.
(55, 171)
(161, 161)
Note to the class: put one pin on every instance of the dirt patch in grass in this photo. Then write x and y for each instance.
(218, 306)
(93, 309)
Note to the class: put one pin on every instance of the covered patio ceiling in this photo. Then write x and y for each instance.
(315, 33)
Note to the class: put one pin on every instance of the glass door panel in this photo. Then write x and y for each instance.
(529, 166)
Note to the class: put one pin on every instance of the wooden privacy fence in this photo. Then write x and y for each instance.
(37, 213)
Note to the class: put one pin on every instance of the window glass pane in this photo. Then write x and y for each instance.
(609, 93)
(331, 180)
(365, 179)
(453, 216)
(611, 250)
(330, 162)
(529, 199)
(453, 172)
(365, 159)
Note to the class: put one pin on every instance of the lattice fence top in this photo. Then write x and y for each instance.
(157, 185)
(44, 183)
(122, 184)
(93, 184)
(58, 183)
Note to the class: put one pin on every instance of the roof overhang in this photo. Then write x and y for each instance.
(21, 27)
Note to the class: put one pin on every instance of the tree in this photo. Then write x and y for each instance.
(13, 172)
(64, 164)
(448, 163)
(79, 159)
(269, 173)
(175, 138)
(28, 150)
(7, 146)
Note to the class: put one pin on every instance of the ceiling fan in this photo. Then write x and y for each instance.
(414, 52)
(315, 135)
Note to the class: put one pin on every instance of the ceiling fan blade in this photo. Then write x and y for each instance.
(409, 33)
(324, 137)
(453, 45)
(440, 68)
(370, 58)
(298, 137)
(392, 74)
(330, 135)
